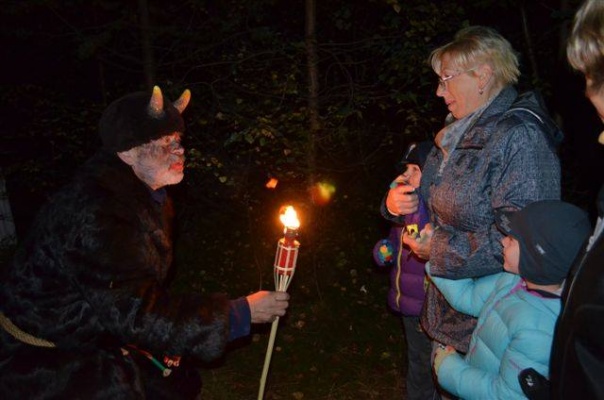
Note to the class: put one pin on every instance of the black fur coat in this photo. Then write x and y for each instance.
(90, 278)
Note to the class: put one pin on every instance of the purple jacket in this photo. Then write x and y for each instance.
(407, 275)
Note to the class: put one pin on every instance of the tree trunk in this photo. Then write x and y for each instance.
(564, 31)
(148, 62)
(529, 42)
(313, 213)
(313, 86)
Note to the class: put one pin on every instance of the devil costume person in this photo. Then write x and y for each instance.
(85, 313)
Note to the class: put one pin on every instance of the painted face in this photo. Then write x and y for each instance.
(412, 175)
(460, 89)
(160, 162)
(511, 254)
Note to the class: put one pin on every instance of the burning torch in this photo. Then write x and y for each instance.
(284, 268)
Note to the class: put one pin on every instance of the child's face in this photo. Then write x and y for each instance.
(511, 254)
(412, 175)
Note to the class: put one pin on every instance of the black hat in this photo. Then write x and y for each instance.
(416, 153)
(139, 118)
(550, 234)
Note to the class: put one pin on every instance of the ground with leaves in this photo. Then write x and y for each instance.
(338, 340)
(245, 62)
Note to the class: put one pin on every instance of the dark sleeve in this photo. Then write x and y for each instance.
(116, 271)
(240, 318)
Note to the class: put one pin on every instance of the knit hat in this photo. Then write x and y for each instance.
(416, 153)
(550, 234)
(139, 118)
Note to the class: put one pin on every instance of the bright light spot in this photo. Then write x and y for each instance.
(272, 183)
(289, 217)
(322, 193)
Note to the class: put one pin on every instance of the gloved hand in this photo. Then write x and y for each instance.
(440, 354)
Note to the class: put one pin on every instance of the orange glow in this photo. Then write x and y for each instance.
(272, 183)
(322, 192)
(289, 217)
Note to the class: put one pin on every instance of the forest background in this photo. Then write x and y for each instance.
(322, 96)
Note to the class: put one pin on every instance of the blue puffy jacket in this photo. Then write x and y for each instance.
(514, 332)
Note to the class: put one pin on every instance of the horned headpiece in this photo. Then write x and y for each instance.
(138, 118)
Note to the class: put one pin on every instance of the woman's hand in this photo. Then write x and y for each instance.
(402, 200)
(266, 306)
(420, 245)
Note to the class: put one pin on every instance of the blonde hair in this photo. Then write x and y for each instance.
(585, 48)
(476, 45)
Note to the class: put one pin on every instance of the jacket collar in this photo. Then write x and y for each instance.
(479, 134)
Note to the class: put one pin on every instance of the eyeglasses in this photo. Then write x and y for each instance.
(442, 82)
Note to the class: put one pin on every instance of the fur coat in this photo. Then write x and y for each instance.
(90, 278)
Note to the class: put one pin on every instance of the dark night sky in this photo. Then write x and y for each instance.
(48, 59)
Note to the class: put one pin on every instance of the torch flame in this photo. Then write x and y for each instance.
(289, 218)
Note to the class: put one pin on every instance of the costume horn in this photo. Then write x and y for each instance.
(183, 101)
(156, 104)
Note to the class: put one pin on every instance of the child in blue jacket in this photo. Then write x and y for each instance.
(407, 276)
(517, 309)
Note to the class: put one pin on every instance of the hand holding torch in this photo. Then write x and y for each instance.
(284, 268)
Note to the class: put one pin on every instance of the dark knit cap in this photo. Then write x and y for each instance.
(416, 153)
(550, 234)
(127, 123)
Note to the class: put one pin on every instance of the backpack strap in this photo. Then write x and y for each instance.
(534, 114)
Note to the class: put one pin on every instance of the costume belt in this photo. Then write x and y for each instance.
(21, 336)
(14, 331)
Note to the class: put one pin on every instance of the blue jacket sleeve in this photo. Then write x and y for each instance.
(466, 295)
(528, 348)
(240, 318)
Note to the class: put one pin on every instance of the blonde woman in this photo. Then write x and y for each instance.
(497, 152)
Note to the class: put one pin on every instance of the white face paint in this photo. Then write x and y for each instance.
(160, 162)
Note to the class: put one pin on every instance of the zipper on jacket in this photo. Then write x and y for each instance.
(398, 270)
